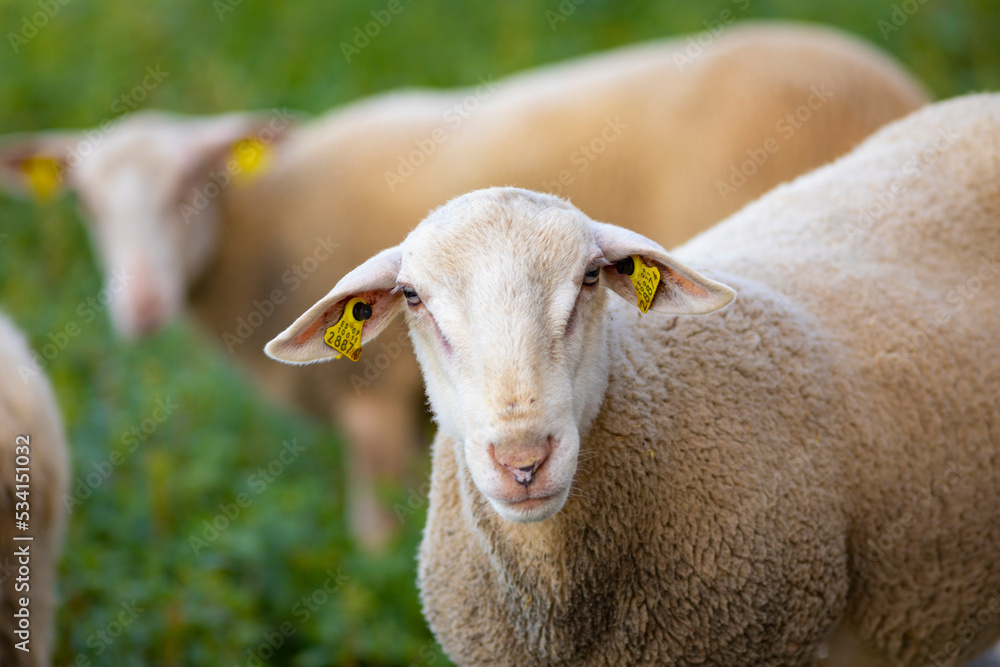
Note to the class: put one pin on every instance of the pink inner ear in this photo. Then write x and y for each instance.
(14, 158)
(682, 282)
(321, 322)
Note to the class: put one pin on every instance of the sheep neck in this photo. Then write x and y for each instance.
(548, 583)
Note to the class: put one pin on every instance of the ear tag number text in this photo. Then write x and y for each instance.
(345, 335)
(644, 278)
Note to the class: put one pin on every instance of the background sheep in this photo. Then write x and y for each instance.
(28, 408)
(808, 477)
(656, 137)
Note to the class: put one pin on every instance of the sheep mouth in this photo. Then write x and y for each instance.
(531, 502)
(526, 498)
(530, 509)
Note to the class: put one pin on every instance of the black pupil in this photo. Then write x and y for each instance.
(592, 274)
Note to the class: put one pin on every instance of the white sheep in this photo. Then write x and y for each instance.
(648, 136)
(31, 432)
(810, 476)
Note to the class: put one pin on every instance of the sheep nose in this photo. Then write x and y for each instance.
(523, 467)
(148, 311)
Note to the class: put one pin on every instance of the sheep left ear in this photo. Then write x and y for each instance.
(317, 335)
(679, 289)
(246, 138)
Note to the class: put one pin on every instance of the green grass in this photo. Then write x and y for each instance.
(131, 538)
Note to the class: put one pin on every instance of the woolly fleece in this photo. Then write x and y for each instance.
(809, 477)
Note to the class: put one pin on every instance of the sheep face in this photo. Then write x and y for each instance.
(505, 294)
(147, 187)
(505, 307)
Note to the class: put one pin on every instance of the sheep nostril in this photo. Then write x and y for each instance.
(524, 475)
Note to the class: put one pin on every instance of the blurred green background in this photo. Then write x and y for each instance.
(129, 542)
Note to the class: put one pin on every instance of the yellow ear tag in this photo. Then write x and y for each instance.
(345, 335)
(44, 175)
(253, 157)
(644, 278)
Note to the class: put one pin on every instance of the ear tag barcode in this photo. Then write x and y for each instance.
(345, 335)
(644, 278)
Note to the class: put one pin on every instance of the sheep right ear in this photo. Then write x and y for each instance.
(372, 284)
(35, 164)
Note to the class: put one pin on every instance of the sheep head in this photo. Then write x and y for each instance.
(148, 185)
(504, 291)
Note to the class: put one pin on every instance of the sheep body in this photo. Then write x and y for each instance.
(28, 408)
(809, 477)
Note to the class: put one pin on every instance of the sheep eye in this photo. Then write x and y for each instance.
(411, 296)
(591, 277)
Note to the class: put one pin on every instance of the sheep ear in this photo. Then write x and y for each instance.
(244, 139)
(35, 165)
(679, 289)
(374, 283)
